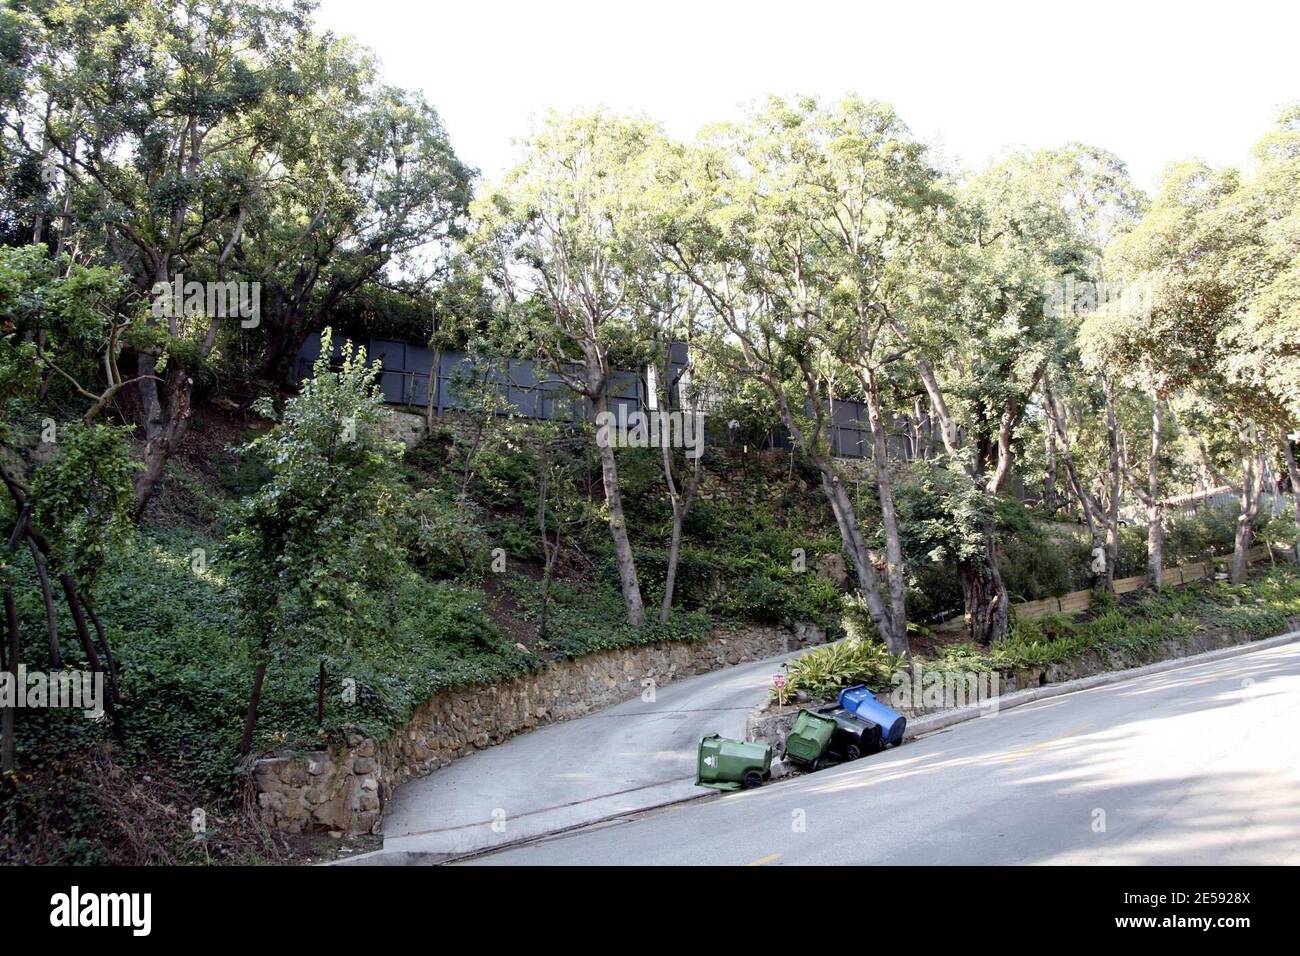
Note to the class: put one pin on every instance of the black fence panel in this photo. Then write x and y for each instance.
(530, 390)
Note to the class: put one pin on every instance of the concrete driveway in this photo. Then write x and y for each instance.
(1199, 765)
(629, 757)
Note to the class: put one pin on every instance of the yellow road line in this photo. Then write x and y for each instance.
(764, 860)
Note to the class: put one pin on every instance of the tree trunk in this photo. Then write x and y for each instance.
(550, 553)
(431, 403)
(681, 500)
(542, 617)
(146, 368)
(1242, 540)
(631, 587)
(105, 648)
(548, 574)
(282, 351)
(893, 632)
(923, 430)
(83, 635)
(1155, 509)
(250, 717)
(856, 548)
(320, 694)
(159, 448)
(1245, 531)
(1112, 483)
(895, 571)
(1094, 514)
(1051, 498)
(7, 746)
(1293, 471)
(47, 595)
(985, 595)
(670, 578)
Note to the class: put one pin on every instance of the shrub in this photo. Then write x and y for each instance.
(1258, 608)
(823, 671)
(1200, 535)
(1131, 561)
(441, 534)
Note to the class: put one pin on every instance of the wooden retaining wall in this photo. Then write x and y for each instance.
(1078, 601)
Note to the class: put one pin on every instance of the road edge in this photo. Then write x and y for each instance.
(920, 727)
(945, 719)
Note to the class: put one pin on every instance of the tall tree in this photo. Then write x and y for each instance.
(163, 117)
(314, 552)
(797, 226)
(987, 326)
(1208, 252)
(221, 141)
(369, 182)
(565, 233)
(58, 329)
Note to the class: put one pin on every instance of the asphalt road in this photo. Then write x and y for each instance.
(1197, 765)
(626, 758)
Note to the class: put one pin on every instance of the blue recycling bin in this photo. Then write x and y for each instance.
(859, 700)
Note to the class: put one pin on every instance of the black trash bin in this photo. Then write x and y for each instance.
(854, 736)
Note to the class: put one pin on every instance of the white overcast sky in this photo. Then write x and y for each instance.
(1151, 81)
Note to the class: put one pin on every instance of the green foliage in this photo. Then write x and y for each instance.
(58, 326)
(442, 534)
(1200, 535)
(589, 619)
(776, 595)
(172, 620)
(82, 497)
(1035, 564)
(943, 513)
(313, 551)
(1138, 629)
(823, 671)
(857, 623)
(1259, 608)
(738, 558)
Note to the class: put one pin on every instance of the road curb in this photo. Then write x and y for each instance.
(383, 857)
(941, 721)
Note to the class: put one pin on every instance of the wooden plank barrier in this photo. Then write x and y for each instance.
(1125, 585)
(1078, 601)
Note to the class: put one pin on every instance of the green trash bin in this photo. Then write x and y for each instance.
(809, 738)
(726, 764)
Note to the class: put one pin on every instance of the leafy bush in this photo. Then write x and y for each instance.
(313, 552)
(1200, 535)
(1282, 530)
(186, 672)
(823, 671)
(1131, 560)
(1258, 608)
(1034, 564)
(82, 496)
(441, 534)
(933, 593)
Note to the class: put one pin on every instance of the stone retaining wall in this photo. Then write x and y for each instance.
(345, 788)
(770, 724)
